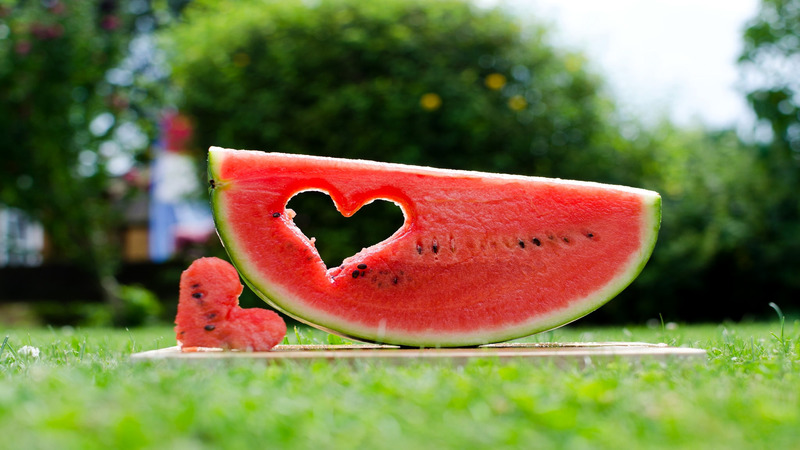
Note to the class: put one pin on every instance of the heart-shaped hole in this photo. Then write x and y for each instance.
(338, 237)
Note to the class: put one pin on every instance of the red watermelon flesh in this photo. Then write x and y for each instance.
(209, 314)
(480, 258)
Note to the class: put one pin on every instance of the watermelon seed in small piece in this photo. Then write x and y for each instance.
(419, 248)
(356, 273)
(521, 243)
(537, 242)
(394, 280)
(196, 285)
(362, 266)
(590, 235)
(276, 214)
(209, 327)
(197, 295)
(566, 239)
(435, 247)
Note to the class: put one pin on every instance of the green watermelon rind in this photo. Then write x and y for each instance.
(283, 300)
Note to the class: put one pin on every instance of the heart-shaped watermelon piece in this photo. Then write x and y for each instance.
(209, 314)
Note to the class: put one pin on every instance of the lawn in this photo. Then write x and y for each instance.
(83, 392)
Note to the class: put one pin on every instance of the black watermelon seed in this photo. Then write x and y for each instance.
(356, 274)
(196, 285)
(566, 240)
(212, 183)
(590, 235)
(394, 280)
(276, 214)
(521, 243)
(435, 248)
(537, 242)
(197, 295)
(362, 266)
(211, 315)
(419, 249)
(209, 327)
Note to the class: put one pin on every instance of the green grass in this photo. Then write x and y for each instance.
(83, 392)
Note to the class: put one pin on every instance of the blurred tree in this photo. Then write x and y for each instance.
(66, 118)
(440, 83)
(770, 62)
(449, 84)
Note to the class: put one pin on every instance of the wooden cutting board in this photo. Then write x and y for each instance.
(582, 353)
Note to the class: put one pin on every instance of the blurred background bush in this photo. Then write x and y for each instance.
(84, 89)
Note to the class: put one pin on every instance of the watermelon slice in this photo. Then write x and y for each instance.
(480, 258)
(209, 314)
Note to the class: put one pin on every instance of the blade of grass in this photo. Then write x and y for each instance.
(132, 340)
(780, 339)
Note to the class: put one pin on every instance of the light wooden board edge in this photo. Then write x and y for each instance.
(583, 353)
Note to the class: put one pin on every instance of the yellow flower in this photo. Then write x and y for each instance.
(517, 103)
(430, 101)
(495, 81)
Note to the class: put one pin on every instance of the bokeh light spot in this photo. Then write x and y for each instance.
(517, 103)
(430, 101)
(495, 81)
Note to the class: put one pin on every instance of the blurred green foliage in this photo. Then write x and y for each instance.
(63, 118)
(771, 64)
(53, 61)
(442, 83)
(452, 85)
(435, 83)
